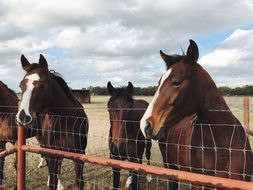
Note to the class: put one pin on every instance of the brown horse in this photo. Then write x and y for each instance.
(196, 130)
(61, 123)
(8, 127)
(125, 138)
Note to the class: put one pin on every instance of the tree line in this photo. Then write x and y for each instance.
(145, 91)
(246, 90)
(150, 90)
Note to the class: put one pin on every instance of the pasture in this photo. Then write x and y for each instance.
(97, 177)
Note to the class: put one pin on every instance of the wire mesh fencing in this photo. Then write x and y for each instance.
(98, 144)
(8, 137)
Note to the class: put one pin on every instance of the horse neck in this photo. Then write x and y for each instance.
(61, 100)
(8, 102)
(214, 109)
(135, 117)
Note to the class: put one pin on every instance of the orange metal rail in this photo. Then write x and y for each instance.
(8, 152)
(147, 169)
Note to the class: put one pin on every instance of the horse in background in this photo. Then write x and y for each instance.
(126, 142)
(8, 127)
(195, 128)
(49, 107)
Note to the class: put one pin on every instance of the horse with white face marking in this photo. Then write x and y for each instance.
(49, 107)
(195, 128)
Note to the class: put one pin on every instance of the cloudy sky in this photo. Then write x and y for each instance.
(93, 42)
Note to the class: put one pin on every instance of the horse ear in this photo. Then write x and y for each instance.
(193, 52)
(24, 62)
(43, 62)
(167, 59)
(110, 88)
(130, 88)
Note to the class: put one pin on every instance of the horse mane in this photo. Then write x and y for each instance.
(10, 90)
(64, 86)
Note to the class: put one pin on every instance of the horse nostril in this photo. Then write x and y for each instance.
(148, 129)
(27, 119)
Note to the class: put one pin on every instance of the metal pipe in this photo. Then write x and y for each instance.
(8, 152)
(198, 179)
(246, 112)
(21, 165)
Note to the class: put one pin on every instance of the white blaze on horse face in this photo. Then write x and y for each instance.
(25, 102)
(149, 110)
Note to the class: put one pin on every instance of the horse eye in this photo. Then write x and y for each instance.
(41, 86)
(176, 82)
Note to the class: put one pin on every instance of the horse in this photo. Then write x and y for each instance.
(48, 106)
(196, 130)
(126, 142)
(8, 127)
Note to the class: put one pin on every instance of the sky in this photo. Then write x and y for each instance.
(93, 42)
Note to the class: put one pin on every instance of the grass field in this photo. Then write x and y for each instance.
(99, 105)
(97, 177)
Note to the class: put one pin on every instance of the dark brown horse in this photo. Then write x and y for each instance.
(125, 138)
(61, 123)
(196, 130)
(8, 127)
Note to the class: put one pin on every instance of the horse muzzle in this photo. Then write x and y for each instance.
(148, 130)
(118, 151)
(23, 119)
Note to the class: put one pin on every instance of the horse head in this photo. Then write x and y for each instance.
(35, 90)
(178, 94)
(120, 107)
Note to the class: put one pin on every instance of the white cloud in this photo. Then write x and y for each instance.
(91, 42)
(117, 79)
(222, 58)
(231, 62)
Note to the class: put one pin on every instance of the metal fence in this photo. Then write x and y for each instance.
(97, 170)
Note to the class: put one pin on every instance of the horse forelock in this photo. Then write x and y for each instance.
(177, 58)
(121, 94)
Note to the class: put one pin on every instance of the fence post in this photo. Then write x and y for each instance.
(246, 112)
(21, 159)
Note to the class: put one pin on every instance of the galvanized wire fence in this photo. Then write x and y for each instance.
(95, 176)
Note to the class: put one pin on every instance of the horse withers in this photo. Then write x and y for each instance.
(196, 130)
(126, 142)
(49, 107)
